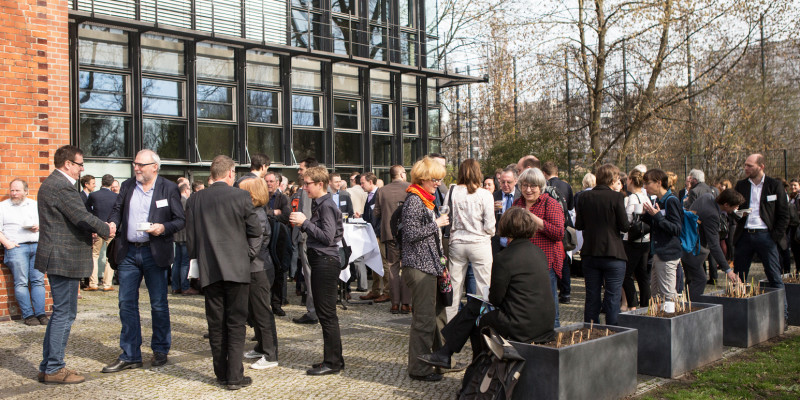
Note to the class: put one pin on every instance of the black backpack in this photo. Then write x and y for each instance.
(280, 245)
(396, 223)
(494, 373)
(570, 239)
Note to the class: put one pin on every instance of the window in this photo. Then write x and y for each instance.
(306, 74)
(265, 140)
(382, 150)
(380, 85)
(408, 13)
(263, 106)
(412, 150)
(105, 135)
(103, 91)
(381, 118)
(162, 54)
(263, 69)
(215, 62)
(306, 110)
(408, 48)
(433, 92)
(379, 15)
(215, 139)
(344, 7)
(409, 125)
(165, 137)
(433, 123)
(307, 143)
(162, 97)
(102, 47)
(345, 80)
(306, 24)
(409, 88)
(345, 114)
(347, 148)
(214, 102)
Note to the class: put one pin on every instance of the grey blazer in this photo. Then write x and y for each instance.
(65, 230)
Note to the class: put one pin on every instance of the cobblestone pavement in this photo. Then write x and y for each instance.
(375, 350)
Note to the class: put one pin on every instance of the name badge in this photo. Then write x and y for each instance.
(342, 203)
(772, 197)
(161, 203)
(663, 212)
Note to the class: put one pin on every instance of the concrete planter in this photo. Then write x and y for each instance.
(747, 322)
(670, 347)
(602, 368)
(792, 299)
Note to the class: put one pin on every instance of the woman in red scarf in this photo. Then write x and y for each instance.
(421, 255)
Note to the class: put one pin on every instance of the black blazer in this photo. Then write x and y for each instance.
(600, 214)
(346, 203)
(773, 209)
(281, 203)
(171, 216)
(219, 220)
(101, 203)
(520, 290)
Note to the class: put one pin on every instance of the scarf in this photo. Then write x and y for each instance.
(426, 197)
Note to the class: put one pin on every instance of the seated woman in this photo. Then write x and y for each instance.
(520, 294)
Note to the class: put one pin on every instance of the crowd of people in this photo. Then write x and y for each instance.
(506, 240)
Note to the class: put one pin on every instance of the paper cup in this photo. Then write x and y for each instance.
(143, 226)
(669, 307)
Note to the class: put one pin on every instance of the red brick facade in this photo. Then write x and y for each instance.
(34, 113)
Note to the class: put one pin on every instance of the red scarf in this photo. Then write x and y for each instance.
(426, 197)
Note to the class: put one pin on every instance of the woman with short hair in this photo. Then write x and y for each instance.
(471, 232)
(601, 216)
(423, 263)
(549, 218)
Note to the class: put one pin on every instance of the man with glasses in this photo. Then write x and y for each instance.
(304, 206)
(324, 230)
(64, 254)
(148, 212)
(503, 199)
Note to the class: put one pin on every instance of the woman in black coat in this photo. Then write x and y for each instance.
(523, 305)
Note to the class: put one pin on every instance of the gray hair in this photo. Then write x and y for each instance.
(697, 175)
(513, 169)
(533, 177)
(589, 180)
(153, 155)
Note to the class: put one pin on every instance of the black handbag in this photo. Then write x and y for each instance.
(638, 228)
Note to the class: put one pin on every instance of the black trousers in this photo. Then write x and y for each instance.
(226, 312)
(278, 289)
(636, 267)
(324, 285)
(462, 328)
(261, 316)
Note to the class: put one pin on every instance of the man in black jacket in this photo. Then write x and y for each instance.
(100, 204)
(763, 228)
(259, 164)
(278, 210)
(219, 221)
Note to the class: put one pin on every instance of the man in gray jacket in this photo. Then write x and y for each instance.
(65, 255)
(698, 187)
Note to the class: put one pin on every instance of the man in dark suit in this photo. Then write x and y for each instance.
(388, 199)
(87, 187)
(340, 197)
(100, 204)
(503, 199)
(148, 212)
(218, 222)
(65, 234)
(550, 171)
(278, 210)
(698, 187)
(369, 184)
(259, 164)
(763, 229)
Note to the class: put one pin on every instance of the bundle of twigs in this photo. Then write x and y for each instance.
(742, 290)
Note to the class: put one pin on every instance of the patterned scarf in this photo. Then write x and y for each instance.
(426, 197)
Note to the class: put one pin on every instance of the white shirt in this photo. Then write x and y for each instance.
(14, 217)
(72, 181)
(472, 216)
(754, 219)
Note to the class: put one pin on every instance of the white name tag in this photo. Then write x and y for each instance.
(342, 203)
(772, 197)
(161, 203)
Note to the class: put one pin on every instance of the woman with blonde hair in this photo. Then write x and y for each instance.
(423, 262)
(473, 225)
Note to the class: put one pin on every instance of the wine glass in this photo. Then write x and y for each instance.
(444, 210)
(344, 216)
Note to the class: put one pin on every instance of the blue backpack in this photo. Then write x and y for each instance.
(690, 234)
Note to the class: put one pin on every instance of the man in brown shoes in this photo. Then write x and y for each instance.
(63, 376)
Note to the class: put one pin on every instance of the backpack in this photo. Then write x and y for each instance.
(280, 246)
(396, 223)
(570, 240)
(690, 233)
(494, 373)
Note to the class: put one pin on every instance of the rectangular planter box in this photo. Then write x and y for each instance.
(792, 299)
(670, 347)
(750, 321)
(602, 368)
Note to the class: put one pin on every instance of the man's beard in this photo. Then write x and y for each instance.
(17, 202)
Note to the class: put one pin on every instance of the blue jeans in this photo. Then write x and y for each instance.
(180, 268)
(64, 292)
(471, 285)
(564, 283)
(610, 272)
(553, 285)
(20, 261)
(139, 263)
(767, 249)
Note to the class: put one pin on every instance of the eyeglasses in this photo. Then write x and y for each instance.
(306, 183)
(80, 164)
(436, 180)
(142, 165)
(527, 187)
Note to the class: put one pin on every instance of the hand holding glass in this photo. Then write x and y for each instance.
(444, 210)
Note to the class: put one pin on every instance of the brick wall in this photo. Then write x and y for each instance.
(34, 113)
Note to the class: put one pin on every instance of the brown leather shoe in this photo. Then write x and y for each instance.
(405, 309)
(382, 298)
(369, 296)
(108, 289)
(63, 377)
(395, 309)
(190, 291)
(90, 289)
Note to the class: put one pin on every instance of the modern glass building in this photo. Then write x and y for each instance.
(353, 83)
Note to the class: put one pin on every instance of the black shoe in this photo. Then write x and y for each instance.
(435, 359)
(711, 282)
(305, 319)
(120, 365)
(563, 299)
(278, 311)
(322, 370)
(205, 335)
(159, 359)
(427, 378)
(246, 381)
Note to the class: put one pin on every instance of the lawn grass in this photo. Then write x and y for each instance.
(769, 371)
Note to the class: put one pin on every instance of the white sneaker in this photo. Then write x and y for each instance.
(262, 363)
(253, 354)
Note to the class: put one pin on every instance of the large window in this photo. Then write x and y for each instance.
(162, 55)
(379, 16)
(264, 120)
(104, 92)
(408, 35)
(307, 124)
(215, 62)
(216, 106)
(307, 25)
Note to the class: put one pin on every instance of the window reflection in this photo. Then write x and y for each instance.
(102, 91)
(306, 110)
(167, 138)
(104, 136)
(162, 97)
(262, 106)
(214, 102)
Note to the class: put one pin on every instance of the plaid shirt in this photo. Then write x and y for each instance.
(548, 239)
